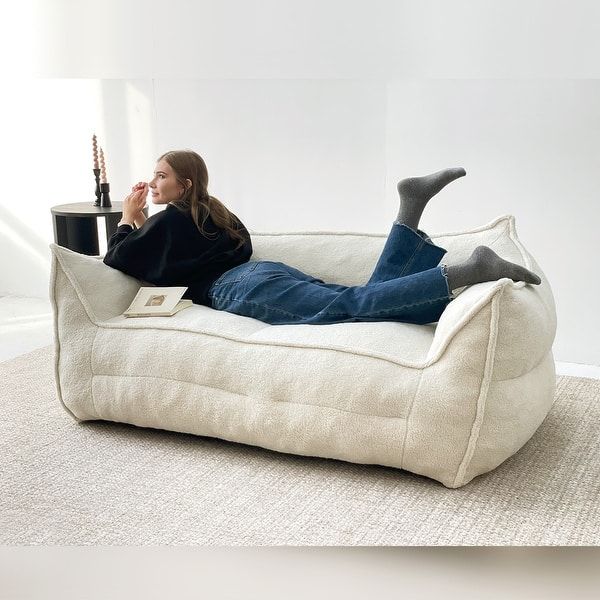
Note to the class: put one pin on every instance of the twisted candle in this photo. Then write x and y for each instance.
(95, 149)
(102, 167)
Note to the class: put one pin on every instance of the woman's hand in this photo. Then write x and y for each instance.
(135, 203)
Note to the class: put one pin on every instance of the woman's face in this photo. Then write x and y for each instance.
(164, 186)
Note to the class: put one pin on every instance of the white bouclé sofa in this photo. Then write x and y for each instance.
(448, 400)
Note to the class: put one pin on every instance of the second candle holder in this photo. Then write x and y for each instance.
(105, 196)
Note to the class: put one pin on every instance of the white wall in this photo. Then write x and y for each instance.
(281, 39)
(308, 119)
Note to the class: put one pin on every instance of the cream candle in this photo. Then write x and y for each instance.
(102, 167)
(95, 149)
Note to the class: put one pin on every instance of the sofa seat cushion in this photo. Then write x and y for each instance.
(399, 342)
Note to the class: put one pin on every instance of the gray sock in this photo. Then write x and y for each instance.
(415, 192)
(485, 265)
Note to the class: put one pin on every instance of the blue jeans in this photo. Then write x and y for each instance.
(407, 285)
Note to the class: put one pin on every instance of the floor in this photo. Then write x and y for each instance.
(26, 324)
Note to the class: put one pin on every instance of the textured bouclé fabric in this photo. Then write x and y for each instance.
(448, 400)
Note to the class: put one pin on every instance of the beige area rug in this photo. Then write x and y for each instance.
(104, 483)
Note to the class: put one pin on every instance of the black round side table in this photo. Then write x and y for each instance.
(76, 226)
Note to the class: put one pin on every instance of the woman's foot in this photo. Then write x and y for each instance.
(415, 192)
(485, 265)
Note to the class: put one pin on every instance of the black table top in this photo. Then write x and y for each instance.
(87, 209)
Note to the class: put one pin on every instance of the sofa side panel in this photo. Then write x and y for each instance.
(309, 401)
(449, 399)
(514, 410)
(526, 329)
(290, 427)
(73, 340)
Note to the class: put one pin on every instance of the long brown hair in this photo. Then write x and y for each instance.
(196, 200)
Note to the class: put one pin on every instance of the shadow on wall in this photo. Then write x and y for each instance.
(24, 258)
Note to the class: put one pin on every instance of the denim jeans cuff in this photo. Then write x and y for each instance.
(444, 269)
(420, 232)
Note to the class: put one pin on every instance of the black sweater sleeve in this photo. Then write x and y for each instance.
(143, 252)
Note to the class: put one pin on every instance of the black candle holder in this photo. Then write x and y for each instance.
(105, 199)
(97, 176)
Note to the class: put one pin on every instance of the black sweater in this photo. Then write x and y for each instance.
(169, 250)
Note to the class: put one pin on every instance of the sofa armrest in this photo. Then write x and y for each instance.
(521, 326)
(460, 313)
(103, 291)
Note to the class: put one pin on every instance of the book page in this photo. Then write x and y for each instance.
(151, 300)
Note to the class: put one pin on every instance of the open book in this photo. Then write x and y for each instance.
(157, 302)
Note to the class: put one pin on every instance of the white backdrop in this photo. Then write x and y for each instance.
(308, 113)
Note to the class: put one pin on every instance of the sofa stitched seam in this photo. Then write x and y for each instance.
(273, 344)
(408, 417)
(483, 392)
(57, 346)
(92, 372)
(486, 227)
(91, 315)
(503, 232)
(213, 387)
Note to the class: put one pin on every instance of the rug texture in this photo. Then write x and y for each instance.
(104, 483)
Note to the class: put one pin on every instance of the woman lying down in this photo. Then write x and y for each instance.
(197, 242)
